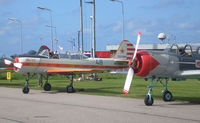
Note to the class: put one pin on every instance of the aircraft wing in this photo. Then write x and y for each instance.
(121, 61)
(4, 68)
(72, 71)
(189, 73)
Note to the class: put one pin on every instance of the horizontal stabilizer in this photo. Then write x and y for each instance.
(188, 73)
(121, 61)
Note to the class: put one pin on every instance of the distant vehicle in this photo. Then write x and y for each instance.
(177, 63)
(46, 62)
(99, 54)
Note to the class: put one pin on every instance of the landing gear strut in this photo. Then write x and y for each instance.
(25, 90)
(166, 95)
(47, 86)
(40, 80)
(70, 88)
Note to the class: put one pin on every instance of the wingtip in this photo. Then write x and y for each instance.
(125, 92)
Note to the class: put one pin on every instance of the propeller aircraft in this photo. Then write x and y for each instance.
(177, 63)
(45, 62)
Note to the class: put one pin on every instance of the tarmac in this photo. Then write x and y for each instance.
(50, 107)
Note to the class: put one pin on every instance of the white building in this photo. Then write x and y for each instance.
(150, 46)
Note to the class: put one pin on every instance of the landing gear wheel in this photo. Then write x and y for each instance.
(47, 87)
(148, 101)
(167, 96)
(70, 89)
(25, 90)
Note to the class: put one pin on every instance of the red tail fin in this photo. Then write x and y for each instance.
(125, 51)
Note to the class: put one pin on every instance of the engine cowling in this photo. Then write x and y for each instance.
(16, 60)
(144, 63)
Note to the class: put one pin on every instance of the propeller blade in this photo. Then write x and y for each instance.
(128, 80)
(137, 45)
(8, 62)
(18, 65)
(130, 74)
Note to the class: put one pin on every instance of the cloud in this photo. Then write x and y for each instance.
(117, 27)
(2, 32)
(130, 25)
(198, 32)
(167, 3)
(6, 2)
(185, 25)
(145, 26)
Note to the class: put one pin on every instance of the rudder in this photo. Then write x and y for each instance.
(125, 51)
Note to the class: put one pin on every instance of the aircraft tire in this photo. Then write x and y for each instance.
(47, 87)
(25, 90)
(147, 101)
(167, 96)
(70, 89)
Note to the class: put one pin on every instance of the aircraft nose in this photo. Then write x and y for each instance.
(17, 64)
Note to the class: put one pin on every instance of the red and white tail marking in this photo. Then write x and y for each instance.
(130, 51)
(125, 50)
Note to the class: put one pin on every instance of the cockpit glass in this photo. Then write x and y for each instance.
(44, 53)
(73, 56)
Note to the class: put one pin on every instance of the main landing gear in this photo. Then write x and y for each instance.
(25, 90)
(70, 88)
(166, 95)
(47, 86)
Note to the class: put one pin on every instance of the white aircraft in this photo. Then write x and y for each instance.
(48, 63)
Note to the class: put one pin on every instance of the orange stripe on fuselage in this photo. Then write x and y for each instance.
(70, 65)
(71, 71)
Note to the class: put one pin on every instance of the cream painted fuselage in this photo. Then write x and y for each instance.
(42, 65)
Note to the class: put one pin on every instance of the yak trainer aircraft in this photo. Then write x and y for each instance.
(47, 63)
(177, 63)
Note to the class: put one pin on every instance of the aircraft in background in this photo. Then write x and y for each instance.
(3, 66)
(177, 63)
(45, 62)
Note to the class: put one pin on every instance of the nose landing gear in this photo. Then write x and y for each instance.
(166, 95)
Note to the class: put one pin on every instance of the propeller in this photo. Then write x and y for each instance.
(18, 65)
(7, 62)
(15, 64)
(130, 74)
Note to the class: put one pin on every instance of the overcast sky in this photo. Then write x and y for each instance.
(178, 18)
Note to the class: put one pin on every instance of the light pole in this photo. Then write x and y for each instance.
(56, 40)
(78, 41)
(50, 13)
(91, 18)
(21, 41)
(81, 25)
(94, 29)
(122, 4)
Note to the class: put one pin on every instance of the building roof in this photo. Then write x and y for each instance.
(150, 46)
